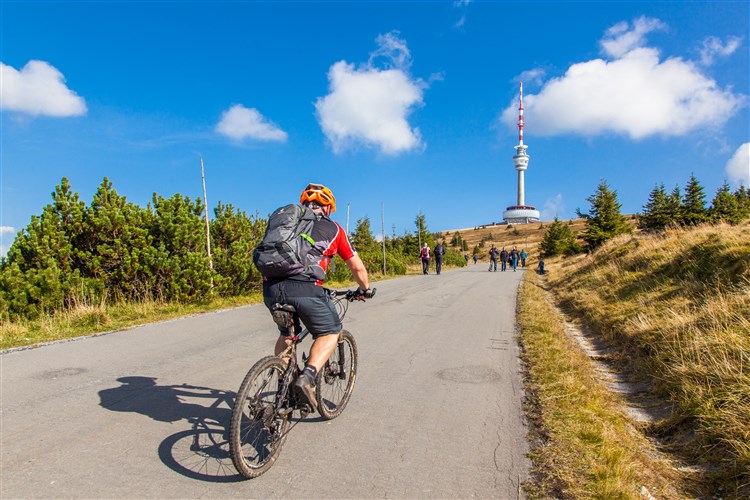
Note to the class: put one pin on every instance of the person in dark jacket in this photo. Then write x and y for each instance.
(514, 258)
(438, 254)
(493, 259)
(503, 259)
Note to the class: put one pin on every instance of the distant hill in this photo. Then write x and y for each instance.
(524, 236)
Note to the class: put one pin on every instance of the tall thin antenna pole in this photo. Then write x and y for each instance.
(382, 219)
(208, 228)
(347, 219)
(419, 232)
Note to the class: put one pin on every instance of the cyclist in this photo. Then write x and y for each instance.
(314, 306)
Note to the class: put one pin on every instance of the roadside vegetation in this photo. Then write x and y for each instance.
(583, 444)
(675, 304)
(78, 269)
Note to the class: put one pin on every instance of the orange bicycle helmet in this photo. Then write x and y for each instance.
(320, 194)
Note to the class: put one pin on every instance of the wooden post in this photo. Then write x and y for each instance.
(208, 228)
(382, 219)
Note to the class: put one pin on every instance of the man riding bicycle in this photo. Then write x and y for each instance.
(305, 292)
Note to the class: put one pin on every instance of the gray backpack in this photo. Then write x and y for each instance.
(283, 250)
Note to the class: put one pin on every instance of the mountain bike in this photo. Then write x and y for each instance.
(265, 404)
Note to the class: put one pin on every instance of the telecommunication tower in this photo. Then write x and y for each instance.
(520, 213)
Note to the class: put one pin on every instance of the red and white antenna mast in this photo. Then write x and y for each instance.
(520, 116)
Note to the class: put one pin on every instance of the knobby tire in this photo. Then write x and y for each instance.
(335, 381)
(256, 431)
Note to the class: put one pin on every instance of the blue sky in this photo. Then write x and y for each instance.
(408, 104)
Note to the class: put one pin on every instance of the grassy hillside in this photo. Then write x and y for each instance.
(526, 236)
(677, 309)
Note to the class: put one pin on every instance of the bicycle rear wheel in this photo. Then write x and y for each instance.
(335, 381)
(257, 430)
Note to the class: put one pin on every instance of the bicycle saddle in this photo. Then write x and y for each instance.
(283, 315)
(284, 307)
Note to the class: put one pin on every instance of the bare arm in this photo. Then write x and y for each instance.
(357, 267)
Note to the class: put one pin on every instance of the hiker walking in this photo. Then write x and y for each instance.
(438, 253)
(503, 259)
(514, 258)
(424, 254)
(493, 259)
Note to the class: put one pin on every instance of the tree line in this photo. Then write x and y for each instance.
(112, 251)
(663, 210)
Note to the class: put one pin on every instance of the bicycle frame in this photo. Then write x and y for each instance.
(287, 318)
(261, 420)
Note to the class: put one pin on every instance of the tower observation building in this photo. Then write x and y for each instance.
(520, 213)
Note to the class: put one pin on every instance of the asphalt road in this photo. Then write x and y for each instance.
(436, 410)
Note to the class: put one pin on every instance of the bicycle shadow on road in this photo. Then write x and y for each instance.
(201, 450)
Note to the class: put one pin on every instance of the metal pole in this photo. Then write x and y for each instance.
(347, 219)
(419, 230)
(382, 219)
(208, 228)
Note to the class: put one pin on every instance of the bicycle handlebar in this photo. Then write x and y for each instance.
(352, 295)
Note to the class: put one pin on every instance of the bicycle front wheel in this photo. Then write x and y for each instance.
(257, 429)
(335, 380)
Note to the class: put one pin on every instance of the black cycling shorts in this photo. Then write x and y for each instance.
(314, 306)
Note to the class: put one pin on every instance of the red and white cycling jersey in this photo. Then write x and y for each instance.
(330, 240)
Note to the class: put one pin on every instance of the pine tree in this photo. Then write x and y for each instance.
(693, 207)
(743, 201)
(179, 238)
(725, 207)
(673, 206)
(422, 233)
(114, 247)
(559, 239)
(655, 216)
(604, 220)
(362, 237)
(40, 272)
(234, 235)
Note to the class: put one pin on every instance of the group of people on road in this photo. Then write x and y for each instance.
(514, 257)
(426, 255)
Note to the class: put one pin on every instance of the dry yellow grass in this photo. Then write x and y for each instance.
(678, 307)
(585, 447)
(87, 319)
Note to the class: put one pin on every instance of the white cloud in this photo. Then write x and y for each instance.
(738, 166)
(636, 94)
(553, 207)
(38, 89)
(713, 47)
(462, 6)
(239, 122)
(392, 51)
(621, 39)
(370, 106)
(535, 76)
